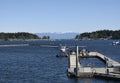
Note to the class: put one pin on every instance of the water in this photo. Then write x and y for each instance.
(35, 64)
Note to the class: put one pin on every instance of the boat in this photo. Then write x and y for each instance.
(63, 52)
(116, 43)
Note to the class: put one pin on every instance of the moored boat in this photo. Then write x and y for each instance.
(116, 43)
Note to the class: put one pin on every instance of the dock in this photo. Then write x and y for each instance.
(75, 69)
(110, 62)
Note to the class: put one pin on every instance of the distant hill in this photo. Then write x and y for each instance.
(101, 34)
(69, 35)
(16, 36)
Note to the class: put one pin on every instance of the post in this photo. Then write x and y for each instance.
(77, 73)
(106, 66)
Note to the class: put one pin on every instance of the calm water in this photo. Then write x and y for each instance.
(35, 64)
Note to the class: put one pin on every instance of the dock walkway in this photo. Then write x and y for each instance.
(110, 62)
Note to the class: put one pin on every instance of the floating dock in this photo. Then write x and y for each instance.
(112, 69)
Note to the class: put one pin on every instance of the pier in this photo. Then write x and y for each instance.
(112, 69)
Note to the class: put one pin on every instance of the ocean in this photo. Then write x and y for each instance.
(39, 64)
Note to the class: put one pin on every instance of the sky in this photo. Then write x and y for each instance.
(38, 16)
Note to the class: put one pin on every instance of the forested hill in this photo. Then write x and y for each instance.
(19, 35)
(101, 34)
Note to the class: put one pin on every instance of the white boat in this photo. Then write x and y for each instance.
(116, 43)
(63, 52)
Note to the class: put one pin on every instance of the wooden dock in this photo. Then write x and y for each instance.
(112, 69)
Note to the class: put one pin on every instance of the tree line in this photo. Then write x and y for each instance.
(20, 35)
(101, 34)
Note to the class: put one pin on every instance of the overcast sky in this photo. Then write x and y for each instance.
(59, 15)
